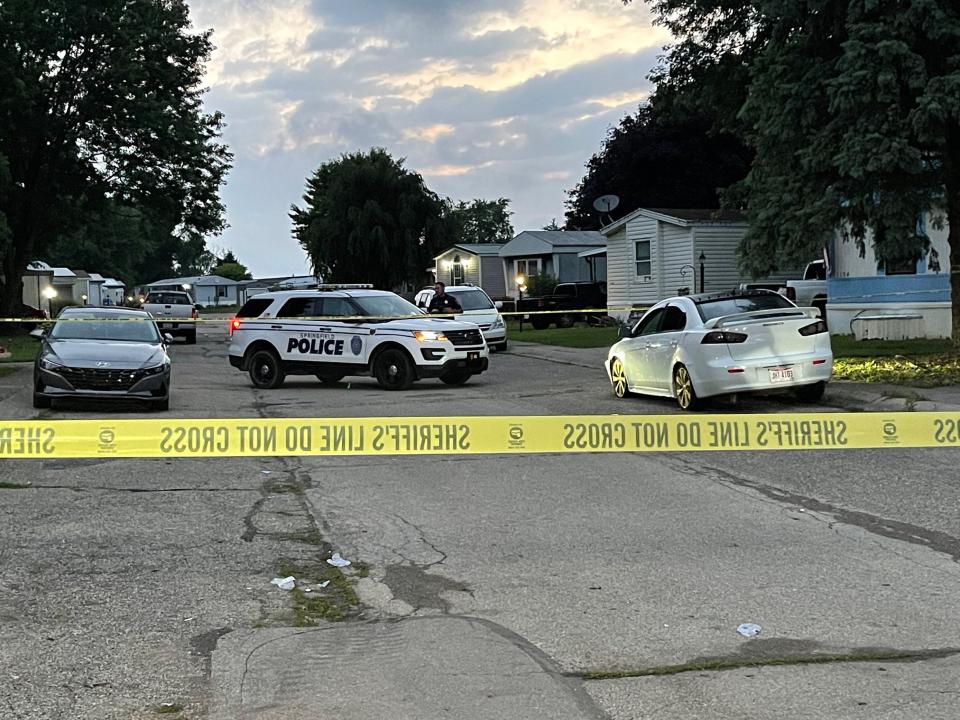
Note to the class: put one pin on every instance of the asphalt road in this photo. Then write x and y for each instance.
(482, 587)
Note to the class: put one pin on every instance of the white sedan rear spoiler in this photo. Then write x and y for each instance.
(760, 315)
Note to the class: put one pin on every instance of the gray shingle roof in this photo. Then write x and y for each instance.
(567, 237)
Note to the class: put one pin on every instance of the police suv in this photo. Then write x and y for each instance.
(339, 330)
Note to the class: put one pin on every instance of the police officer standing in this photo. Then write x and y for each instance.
(443, 303)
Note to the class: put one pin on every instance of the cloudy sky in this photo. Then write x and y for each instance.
(485, 98)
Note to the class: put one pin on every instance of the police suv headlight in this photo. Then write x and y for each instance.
(429, 336)
(48, 364)
(497, 324)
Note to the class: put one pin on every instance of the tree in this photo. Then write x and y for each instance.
(552, 225)
(479, 221)
(229, 267)
(659, 159)
(366, 218)
(101, 112)
(854, 112)
(118, 241)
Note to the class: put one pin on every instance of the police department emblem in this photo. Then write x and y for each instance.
(356, 345)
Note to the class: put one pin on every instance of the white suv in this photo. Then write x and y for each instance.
(297, 332)
(477, 308)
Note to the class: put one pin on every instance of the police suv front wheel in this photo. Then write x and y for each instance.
(394, 370)
(265, 370)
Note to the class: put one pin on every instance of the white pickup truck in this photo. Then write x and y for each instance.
(174, 312)
(812, 290)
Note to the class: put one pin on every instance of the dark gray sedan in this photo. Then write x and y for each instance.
(104, 354)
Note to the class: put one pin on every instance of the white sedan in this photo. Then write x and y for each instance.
(696, 346)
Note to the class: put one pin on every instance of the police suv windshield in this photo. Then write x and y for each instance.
(472, 299)
(385, 306)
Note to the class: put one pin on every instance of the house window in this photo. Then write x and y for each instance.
(221, 291)
(643, 258)
(529, 267)
(906, 266)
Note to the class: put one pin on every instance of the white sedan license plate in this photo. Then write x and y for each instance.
(781, 374)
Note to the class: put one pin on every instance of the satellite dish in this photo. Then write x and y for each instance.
(606, 203)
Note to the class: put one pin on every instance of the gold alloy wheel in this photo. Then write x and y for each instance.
(683, 387)
(618, 378)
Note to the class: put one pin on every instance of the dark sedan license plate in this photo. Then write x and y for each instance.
(473, 356)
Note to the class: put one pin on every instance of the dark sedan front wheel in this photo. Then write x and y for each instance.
(39, 401)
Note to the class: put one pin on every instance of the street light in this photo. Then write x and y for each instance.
(521, 286)
(702, 259)
(49, 293)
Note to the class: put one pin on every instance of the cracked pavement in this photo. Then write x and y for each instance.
(497, 585)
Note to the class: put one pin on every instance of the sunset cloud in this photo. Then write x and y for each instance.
(485, 98)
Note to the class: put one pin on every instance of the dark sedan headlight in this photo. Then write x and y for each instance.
(48, 364)
(155, 370)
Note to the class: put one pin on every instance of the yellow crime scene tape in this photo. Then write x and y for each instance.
(328, 318)
(254, 437)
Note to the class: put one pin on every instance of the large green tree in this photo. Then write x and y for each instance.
(229, 267)
(478, 221)
(366, 218)
(853, 109)
(664, 156)
(117, 241)
(101, 113)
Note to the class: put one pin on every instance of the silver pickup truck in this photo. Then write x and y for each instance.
(174, 312)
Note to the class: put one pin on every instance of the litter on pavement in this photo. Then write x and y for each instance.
(286, 583)
(338, 561)
(323, 584)
(749, 629)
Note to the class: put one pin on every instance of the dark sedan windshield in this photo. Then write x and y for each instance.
(115, 329)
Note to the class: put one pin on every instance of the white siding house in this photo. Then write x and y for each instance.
(207, 290)
(38, 286)
(556, 252)
(653, 254)
(860, 288)
(474, 264)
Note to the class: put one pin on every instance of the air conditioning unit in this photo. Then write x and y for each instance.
(899, 326)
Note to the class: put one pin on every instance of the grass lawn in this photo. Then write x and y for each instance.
(23, 347)
(218, 310)
(920, 363)
(578, 336)
(846, 346)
